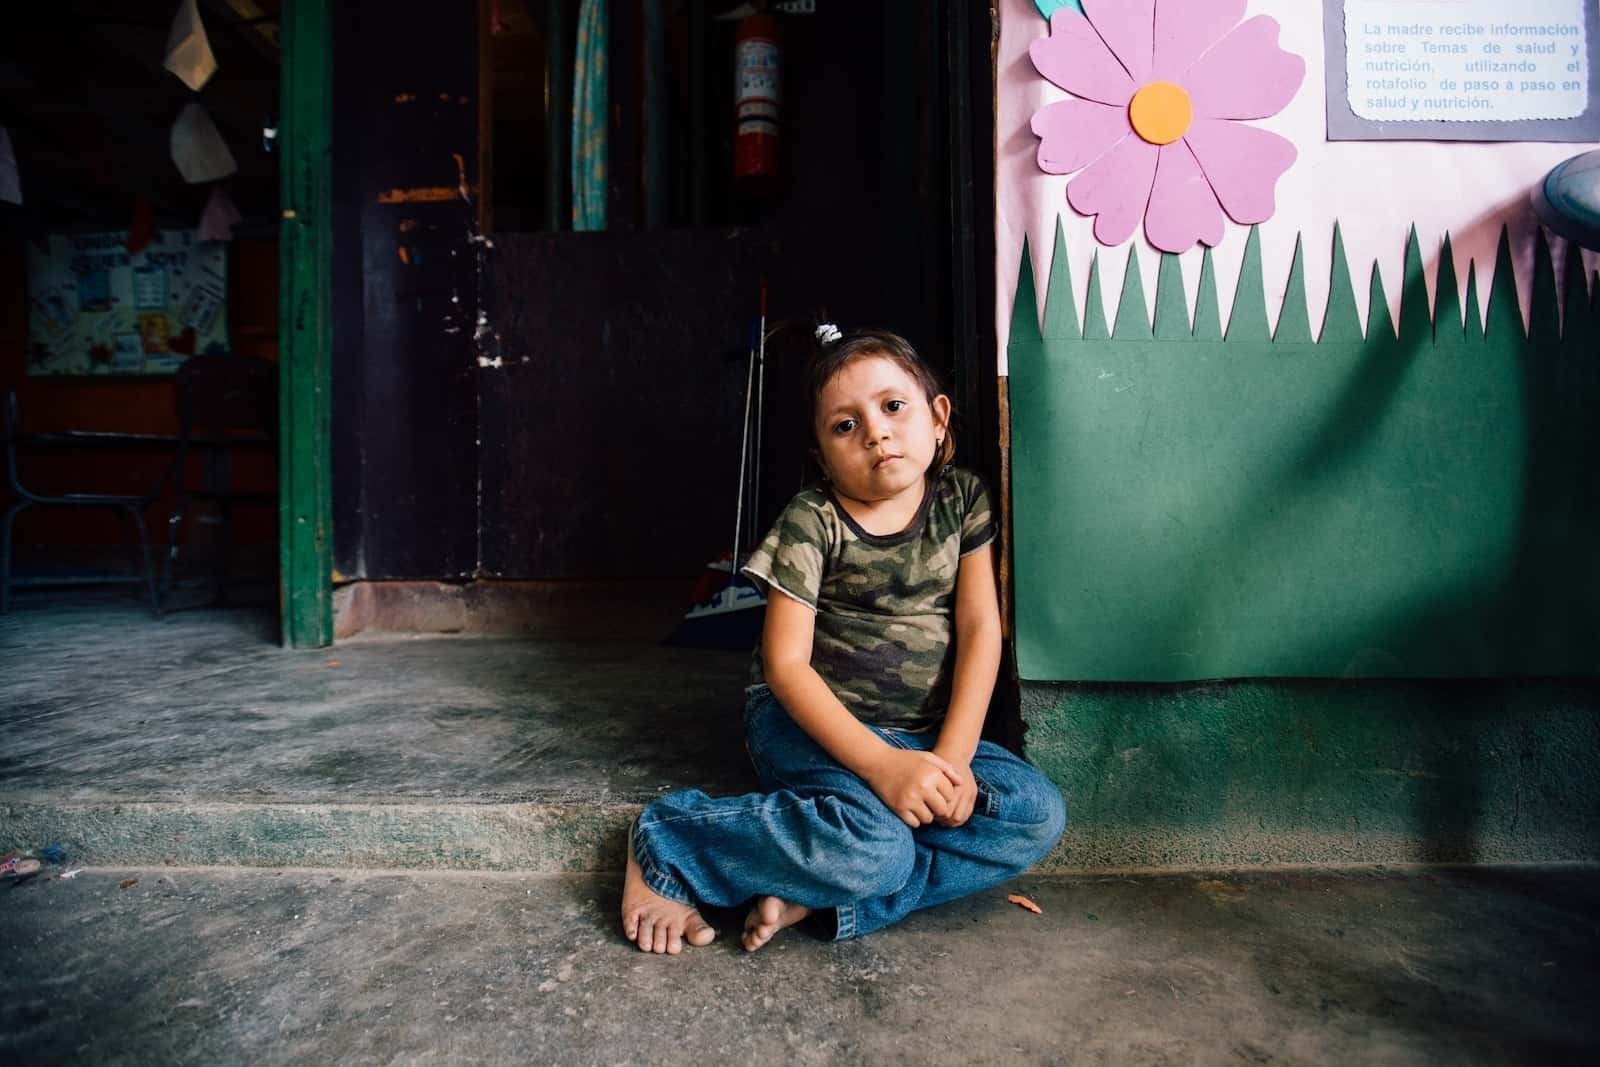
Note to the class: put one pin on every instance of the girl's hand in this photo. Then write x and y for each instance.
(966, 798)
(919, 787)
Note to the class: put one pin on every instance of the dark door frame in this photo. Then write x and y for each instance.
(970, 37)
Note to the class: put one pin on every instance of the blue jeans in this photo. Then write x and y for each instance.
(819, 836)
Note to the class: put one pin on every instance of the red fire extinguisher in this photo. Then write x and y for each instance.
(757, 92)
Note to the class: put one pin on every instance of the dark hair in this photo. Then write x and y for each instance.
(831, 358)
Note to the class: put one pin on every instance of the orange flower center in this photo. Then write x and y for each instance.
(1161, 112)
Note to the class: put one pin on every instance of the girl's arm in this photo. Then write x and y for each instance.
(917, 786)
(977, 664)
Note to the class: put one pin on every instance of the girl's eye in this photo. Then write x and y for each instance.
(844, 426)
(895, 405)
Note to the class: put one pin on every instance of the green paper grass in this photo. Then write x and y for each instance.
(1418, 499)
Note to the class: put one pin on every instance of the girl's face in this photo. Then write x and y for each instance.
(877, 432)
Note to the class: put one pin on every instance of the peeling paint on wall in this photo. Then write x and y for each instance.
(428, 194)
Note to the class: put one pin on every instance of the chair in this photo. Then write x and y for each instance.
(224, 401)
(129, 506)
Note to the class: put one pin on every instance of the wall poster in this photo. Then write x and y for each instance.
(1463, 70)
(96, 308)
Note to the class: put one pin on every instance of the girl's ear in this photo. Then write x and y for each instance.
(941, 411)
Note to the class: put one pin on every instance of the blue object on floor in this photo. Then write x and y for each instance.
(731, 618)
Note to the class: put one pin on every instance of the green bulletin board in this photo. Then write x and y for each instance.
(1417, 501)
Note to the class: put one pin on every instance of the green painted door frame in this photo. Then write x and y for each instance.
(305, 508)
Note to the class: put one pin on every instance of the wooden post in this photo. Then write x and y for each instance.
(305, 513)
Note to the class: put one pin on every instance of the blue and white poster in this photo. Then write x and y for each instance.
(1463, 70)
(96, 308)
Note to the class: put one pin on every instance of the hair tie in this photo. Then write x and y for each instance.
(827, 333)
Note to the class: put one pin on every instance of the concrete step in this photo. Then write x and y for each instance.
(195, 740)
(587, 834)
(548, 837)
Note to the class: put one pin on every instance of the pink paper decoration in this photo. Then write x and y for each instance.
(218, 218)
(1180, 174)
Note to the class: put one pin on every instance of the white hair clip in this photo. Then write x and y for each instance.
(827, 333)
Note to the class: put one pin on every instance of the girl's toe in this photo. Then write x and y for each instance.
(698, 932)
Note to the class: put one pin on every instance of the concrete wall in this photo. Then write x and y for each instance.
(1277, 771)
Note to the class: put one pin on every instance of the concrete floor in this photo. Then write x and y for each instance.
(217, 768)
(1472, 966)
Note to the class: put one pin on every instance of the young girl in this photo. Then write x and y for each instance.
(870, 685)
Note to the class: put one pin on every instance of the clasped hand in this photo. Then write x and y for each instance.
(924, 787)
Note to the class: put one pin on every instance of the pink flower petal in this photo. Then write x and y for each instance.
(1075, 133)
(1183, 208)
(1242, 163)
(1126, 27)
(1186, 28)
(1116, 188)
(1075, 58)
(1246, 75)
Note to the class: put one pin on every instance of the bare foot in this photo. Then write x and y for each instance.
(652, 921)
(768, 917)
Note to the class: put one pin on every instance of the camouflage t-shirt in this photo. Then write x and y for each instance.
(885, 604)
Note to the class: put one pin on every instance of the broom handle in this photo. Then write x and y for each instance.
(761, 398)
(744, 448)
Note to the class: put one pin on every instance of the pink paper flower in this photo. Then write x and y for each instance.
(1160, 88)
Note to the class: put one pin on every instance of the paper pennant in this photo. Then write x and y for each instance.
(10, 178)
(218, 219)
(198, 149)
(188, 50)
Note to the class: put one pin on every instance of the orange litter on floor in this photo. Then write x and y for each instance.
(1023, 902)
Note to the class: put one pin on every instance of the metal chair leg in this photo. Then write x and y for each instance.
(5, 555)
(219, 569)
(137, 517)
(174, 528)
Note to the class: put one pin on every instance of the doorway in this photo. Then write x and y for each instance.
(516, 400)
(138, 233)
(614, 376)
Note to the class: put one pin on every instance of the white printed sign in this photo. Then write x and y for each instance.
(1445, 62)
(1463, 70)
